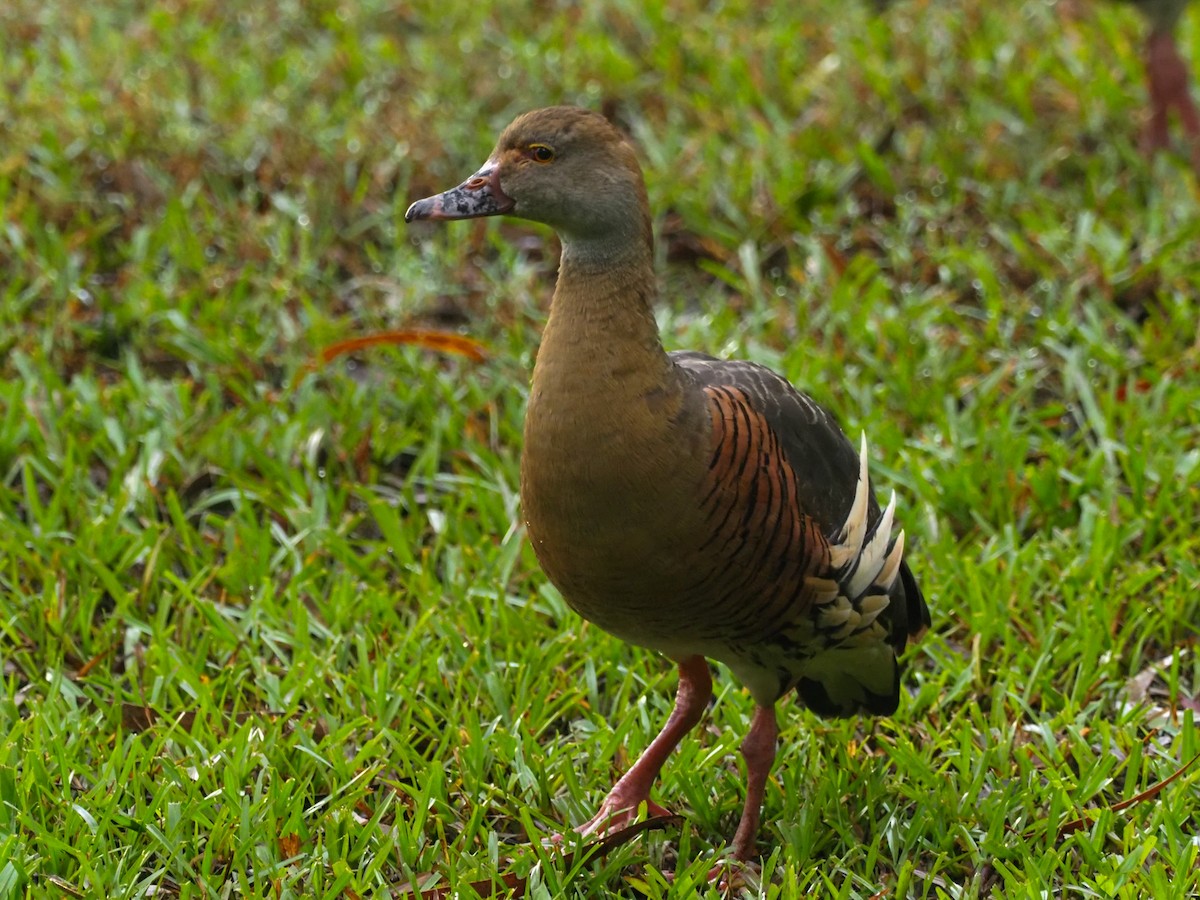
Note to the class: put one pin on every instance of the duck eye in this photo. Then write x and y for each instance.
(541, 152)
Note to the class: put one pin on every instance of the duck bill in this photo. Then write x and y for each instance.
(480, 195)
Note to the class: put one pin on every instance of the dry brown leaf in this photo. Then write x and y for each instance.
(441, 341)
(513, 882)
(1137, 689)
(1148, 794)
(136, 719)
(65, 886)
(83, 670)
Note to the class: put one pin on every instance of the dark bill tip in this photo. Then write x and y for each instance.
(480, 195)
(429, 208)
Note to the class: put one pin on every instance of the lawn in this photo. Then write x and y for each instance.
(268, 623)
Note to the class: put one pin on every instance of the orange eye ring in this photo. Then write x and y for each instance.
(541, 153)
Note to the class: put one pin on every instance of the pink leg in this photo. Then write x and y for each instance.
(1169, 81)
(759, 751)
(621, 804)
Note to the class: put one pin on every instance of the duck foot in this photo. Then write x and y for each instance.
(617, 812)
(614, 818)
(620, 807)
(733, 875)
(730, 875)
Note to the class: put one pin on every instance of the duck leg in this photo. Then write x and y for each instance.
(1169, 81)
(633, 789)
(758, 749)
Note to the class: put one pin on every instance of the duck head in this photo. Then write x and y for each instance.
(563, 166)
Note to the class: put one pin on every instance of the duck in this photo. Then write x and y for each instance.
(1168, 79)
(702, 508)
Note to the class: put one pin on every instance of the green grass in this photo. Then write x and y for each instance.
(270, 630)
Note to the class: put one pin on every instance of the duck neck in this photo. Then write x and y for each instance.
(601, 337)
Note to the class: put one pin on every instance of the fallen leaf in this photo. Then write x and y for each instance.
(441, 341)
(1149, 794)
(83, 670)
(142, 718)
(513, 882)
(65, 886)
(136, 719)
